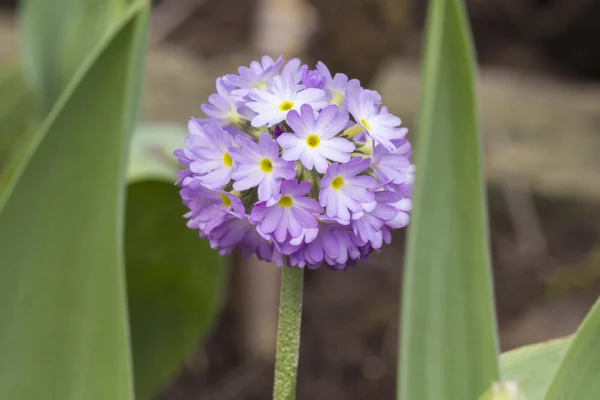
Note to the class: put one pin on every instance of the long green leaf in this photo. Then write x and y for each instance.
(578, 375)
(57, 35)
(533, 366)
(64, 332)
(174, 279)
(17, 111)
(448, 338)
(174, 284)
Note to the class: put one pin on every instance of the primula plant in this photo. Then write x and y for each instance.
(301, 168)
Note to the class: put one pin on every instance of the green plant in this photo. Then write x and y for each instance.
(69, 235)
(96, 303)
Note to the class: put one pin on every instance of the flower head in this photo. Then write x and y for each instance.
(257, 75)
(379, 124)
(222, 105)
(208, 155)
(314, 140)
(296, 165)
(288, 214)
(337, 86)
(345, 192)
(313, 79)
(272, 106)
(260, 165)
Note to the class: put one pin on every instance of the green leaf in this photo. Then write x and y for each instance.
(533, 366)
(64, 332)
(151, 156)
(578, 375)
(59, 34)
(448, 338)
(503, 391)
(174, 280)
(17, 111)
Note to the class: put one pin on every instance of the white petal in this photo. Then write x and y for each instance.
(308, 96)
(289, 140)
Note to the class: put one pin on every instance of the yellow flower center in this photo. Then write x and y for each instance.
(337, 98)
(366, 124)
(338, 183)
(313, 141)
(286, 201)
(262, 85)
(226, 200)
(227, 160)
(286, 105)
(266, 165)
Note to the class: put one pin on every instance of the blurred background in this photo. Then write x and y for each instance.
(540, 100)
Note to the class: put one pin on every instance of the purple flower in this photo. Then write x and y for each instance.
(393, 166)
(210, 161)
(313, 79)
(260, 165)
(222, 104)
(333, 245)
(402, 218)
(314, 141)
(208, 208)
(294, 68)
(337, 86)
(255, 76)
(368, 226)
(272, 107)
(380, 125)
(277, 147)
(287, 215)
(344, 191)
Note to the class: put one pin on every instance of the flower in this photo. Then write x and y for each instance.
(368, 225)
(289, 213)
(255, 76)
(313, 79)
(394, 166)
(260, 165)
(337, 85)
(222, 105)
(208, 153)
(272, 106)
(294, 68)
(379, 124)
(344, 191)
(209, 208)
(297, 166)
(314, 140)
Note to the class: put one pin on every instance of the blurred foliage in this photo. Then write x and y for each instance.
(503, 391)
(62, 196)
(18, 114)
(62, 299)
(58, 35)
(448, 338)
(533, 366)
(174, 280)
(578, 372)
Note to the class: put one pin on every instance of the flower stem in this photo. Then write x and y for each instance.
(288, 334)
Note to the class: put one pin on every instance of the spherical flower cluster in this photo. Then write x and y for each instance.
(296, 165)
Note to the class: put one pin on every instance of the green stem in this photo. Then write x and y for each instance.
(288, 334)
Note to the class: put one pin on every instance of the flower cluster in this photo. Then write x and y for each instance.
(296, 165)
